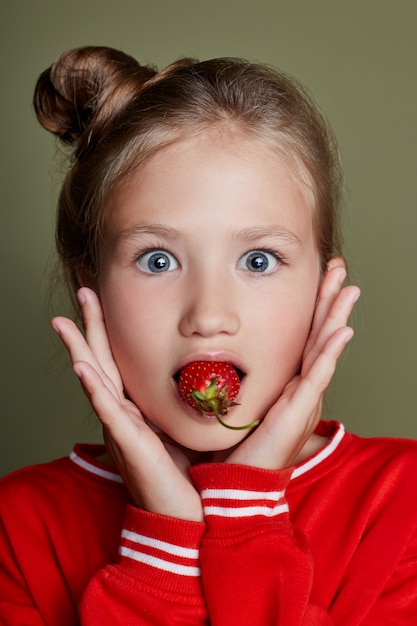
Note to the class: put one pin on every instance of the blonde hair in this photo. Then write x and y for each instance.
(116, 114)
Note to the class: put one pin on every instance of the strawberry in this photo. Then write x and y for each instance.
(211, 387)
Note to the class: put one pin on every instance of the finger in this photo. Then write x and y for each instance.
(337, 316)
(111, 411)
(96, 334)
(152, 475)
(323, 365)
(294, 418)
(74, 341)
(330, 288)
(78, 348)
(125, 432)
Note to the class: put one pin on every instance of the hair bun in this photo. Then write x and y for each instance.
(84, 89)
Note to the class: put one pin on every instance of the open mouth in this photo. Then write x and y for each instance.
(240, 373)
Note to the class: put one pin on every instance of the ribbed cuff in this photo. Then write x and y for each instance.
(240, 494)
(162, 551)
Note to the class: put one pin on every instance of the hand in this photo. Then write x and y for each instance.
(155, 471)
(289, 424)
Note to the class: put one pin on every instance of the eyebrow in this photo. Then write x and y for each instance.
(248, 234)
(137, 230)
(267, 232)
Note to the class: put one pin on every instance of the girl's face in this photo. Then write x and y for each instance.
(208, 254)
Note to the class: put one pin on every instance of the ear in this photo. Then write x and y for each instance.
(86, 277)
(337, 261)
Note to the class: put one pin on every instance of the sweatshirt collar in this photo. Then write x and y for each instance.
(84, 455)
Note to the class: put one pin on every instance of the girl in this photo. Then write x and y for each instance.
(198, 227)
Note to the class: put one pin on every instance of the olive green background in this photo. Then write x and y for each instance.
(357, 57)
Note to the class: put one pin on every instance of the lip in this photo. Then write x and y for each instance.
(212, 357)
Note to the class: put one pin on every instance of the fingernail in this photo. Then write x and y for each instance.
(77, 371)
(342, 275)
(55, 328)
(349, 334)
(81, 297)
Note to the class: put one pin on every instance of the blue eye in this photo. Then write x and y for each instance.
(258, 261)
(157, 262)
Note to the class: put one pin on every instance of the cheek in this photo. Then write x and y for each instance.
(287, 341)
(130, 328)
(141, 339)
(283, 335)
(290, 311)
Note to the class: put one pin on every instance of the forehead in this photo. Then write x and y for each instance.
(259, 153)
(208, 183)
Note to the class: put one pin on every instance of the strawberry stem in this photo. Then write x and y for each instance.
(219, 419)
(215, 400)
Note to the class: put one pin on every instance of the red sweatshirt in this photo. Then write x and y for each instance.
(330, 541)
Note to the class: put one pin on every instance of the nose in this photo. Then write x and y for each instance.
(210, 307)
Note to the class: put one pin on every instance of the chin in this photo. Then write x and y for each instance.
(219, 441)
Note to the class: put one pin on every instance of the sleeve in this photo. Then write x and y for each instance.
(157, 579)
(16, 606)
(398, 602)
(256, 568)
(380, 583)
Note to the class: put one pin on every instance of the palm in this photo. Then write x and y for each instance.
(291, 421)
(154, 470)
